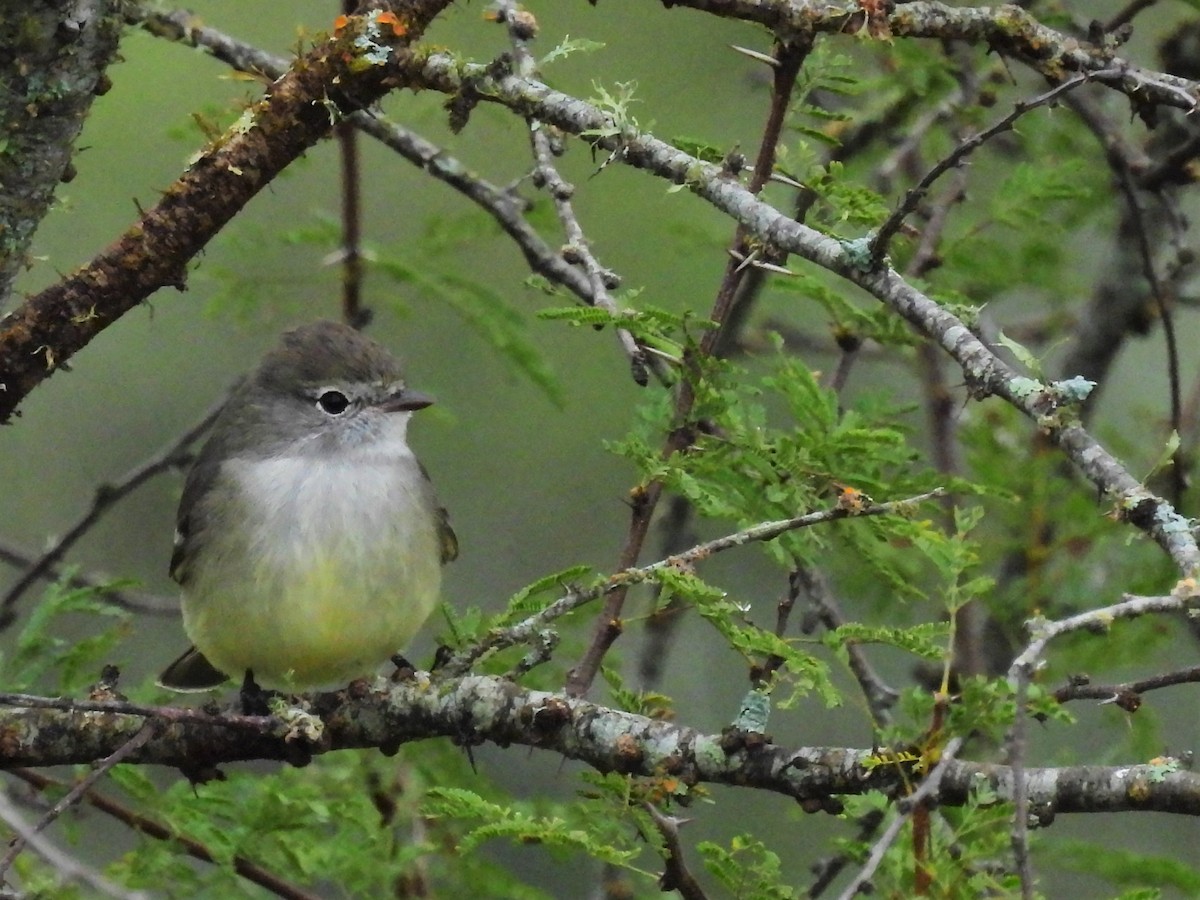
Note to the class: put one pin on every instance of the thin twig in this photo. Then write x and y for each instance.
(1017, 743)
(71, 869)
(174, 455)
(1127, 14)
(529, 628)
(880, 696)
(893, 223)
(1043, 631)
(926, 789)
(1127, 695)
(607, 629)
(547, 176)
(761, 675)
(663, 622)
(826, 870)
(1162, 303)
(502, 205)
(134, 601)
(350, 257)
(677, 876)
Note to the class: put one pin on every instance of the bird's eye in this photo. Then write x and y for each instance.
(333, 402)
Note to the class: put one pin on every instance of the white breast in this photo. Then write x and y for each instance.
(332, 567)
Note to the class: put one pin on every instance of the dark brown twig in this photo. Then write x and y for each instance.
(880, 696)
(1127, 695)
(790, 58)
(350, 255)
(676, 876)
(893, 223)
(175, 455)
(1127, 14)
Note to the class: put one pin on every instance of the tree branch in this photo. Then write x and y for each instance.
(477, 709)
(52, 69)
(986, 373)
(344, 73)
(1008, 30)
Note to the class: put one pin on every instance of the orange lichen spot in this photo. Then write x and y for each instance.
(339, 25)
(851, 499)
(399, 29)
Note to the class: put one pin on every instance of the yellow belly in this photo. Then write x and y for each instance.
(321, 626)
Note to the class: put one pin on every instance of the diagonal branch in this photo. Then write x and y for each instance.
(175, 455)
(247, 869)
(914, 196)
(986, 373)
(529, 629)
(503, 205)
(346, 72)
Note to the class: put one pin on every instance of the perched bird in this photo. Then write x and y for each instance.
(310, 542)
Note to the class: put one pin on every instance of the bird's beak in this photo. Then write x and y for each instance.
(405, 401)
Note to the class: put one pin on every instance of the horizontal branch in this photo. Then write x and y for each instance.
(478, 709)
(1043, 631)
(1007, 29)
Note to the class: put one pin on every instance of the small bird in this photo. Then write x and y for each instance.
(309, 542)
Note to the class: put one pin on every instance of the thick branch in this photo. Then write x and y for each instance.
(478, 709)
(52, 68)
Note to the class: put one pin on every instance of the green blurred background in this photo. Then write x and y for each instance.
(526, 477)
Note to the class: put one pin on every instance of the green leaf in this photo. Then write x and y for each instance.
(76, 662)
(1023, 354)
(747, 869)
(512, 823)
(927, 640)
(527, 602)
(642, 703)
(568, 47)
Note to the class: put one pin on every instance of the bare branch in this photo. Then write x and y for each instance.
(956, 157)
(521, 29)
(176, 454)
(69, 868)
(73, 796)
(1008, 30)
